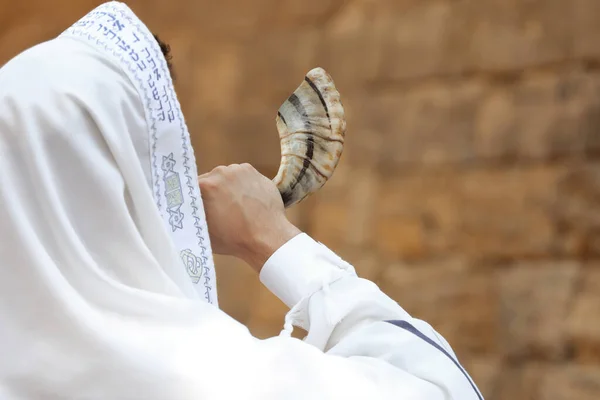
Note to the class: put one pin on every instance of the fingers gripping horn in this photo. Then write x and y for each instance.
(311, 126)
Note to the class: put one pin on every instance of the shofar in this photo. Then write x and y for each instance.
(311, 127)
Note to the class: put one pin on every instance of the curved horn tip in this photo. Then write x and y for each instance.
(311, 126)
(318, 71)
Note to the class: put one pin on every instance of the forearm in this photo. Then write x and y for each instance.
(264, 243)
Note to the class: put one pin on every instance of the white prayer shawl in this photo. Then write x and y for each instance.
(106, 274)
(117, 34)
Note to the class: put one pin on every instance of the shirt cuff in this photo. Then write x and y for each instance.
(300, 268)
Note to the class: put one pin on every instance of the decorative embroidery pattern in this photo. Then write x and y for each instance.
(200, 233)
(173, 192)
(193, 265)
(113, 28)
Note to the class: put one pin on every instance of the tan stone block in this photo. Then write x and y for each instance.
(505, 35)
(267, 315)
(552, 113)
(251, 137)
(156, 15)
(313, 12)
(569, 382)
(521, 382)
(495, 124)
(181, 42)
(586, 30)
(529, 327)
(295, 215)
(330, 221)
(268, 308)
(583, 323)
(209, 144)
(341, 213)
(401, 237)
(461, 304)
(485, 372)
(274, 65)
(476, 213)
(433, 189)
(576, 209)
(430, 124)
(545, 116)
(414, 40)
(351, 48)
(367, 125)
(361, 202)
(413, 215)
(506, 213)
(512, 34)
(226, 18)
(238, 286)
(217, 76)
(368, 264)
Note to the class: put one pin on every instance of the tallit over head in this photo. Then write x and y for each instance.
(163, 147)
(106, 81)
(105, 259)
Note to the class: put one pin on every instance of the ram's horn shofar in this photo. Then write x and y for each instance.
(311, 127)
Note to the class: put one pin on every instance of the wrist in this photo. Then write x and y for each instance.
(263, 244)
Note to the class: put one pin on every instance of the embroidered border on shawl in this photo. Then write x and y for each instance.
(110, 41)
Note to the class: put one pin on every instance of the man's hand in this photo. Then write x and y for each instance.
(245, 214)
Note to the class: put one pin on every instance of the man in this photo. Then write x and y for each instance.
(107, 285)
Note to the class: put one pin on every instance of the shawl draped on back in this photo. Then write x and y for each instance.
(105, 260)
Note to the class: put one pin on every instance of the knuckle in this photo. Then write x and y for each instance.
(208, 184)
(237, 169)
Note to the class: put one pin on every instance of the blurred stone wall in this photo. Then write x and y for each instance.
(470, 185)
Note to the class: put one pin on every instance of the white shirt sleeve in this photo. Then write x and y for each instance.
(349, 318)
